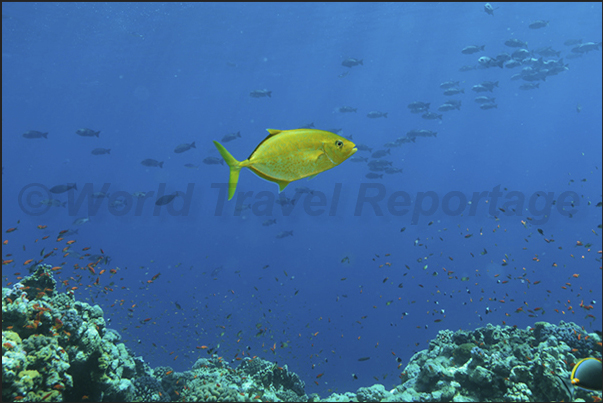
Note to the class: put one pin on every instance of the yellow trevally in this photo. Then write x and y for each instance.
(288, 155)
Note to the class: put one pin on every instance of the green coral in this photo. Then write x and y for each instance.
(518, 392)
(538, 328)
(47, 396)
(27, 381)
(374, 393)
(211, 392)
(11, 336)
(481, 377)
(462, 353)
(41, 280)
(13, 361)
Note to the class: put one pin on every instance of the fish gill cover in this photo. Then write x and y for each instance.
(455, 256)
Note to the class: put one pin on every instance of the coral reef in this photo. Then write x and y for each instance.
(149, 389)
(55, 348)
(493, 363)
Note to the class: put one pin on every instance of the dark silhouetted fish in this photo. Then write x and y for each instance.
(33, 134)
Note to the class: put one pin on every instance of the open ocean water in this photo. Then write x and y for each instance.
(485, 205)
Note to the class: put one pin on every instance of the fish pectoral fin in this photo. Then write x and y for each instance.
(323, 153)
(312, 176)
(316, 155)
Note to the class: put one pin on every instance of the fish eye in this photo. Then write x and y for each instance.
(339, 143)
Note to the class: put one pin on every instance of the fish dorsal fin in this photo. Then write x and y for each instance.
(273, 132)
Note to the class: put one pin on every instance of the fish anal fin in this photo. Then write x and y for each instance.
(282, 185)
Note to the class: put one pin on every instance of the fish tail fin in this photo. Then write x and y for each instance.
(235, 169)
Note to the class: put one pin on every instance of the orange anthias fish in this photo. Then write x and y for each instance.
(289, 155)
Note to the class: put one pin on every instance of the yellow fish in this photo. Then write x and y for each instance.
(288, 155)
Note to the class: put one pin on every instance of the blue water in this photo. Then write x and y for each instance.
(153, 76)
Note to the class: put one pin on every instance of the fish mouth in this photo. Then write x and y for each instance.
(353, 151)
